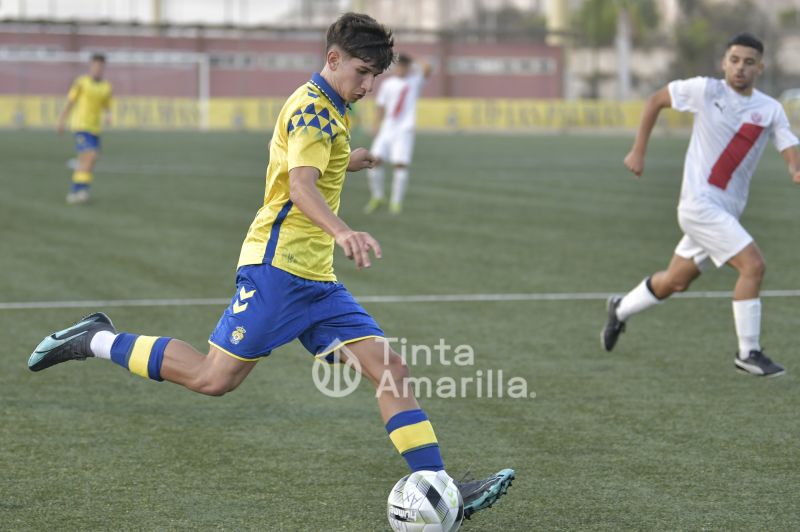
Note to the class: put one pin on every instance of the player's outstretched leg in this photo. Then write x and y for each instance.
(95, 336)
(153, 357)
(72, 343)
(678, 276)
(408, 426)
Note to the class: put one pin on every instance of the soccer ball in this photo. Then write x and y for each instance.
(425, 501)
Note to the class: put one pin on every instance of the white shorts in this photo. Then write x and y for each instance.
(393, 145)
(710, 232)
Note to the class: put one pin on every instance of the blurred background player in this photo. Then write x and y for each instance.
(88, 105)
(732, 125)
(396, 114)
(286, 287)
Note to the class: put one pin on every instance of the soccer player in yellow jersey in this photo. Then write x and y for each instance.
(89, 99)
(285, 286)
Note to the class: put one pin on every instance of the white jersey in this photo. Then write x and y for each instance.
(729, 135)
(398, 97)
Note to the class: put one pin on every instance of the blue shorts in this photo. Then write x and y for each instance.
(85, 141)
(272, 307)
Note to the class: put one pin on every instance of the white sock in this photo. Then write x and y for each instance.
(637, 300)
(101, 344)
(375, 176)
(747, 316)
(399, 184)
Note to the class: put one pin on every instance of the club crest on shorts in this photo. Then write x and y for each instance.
(238, 335)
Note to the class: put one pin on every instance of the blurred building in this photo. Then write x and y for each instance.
(417, 14)
(267, 47)
(260, 48)
(258, 62)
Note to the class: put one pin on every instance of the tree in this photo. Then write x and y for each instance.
(704, 29)
(595, 23)
(508, 24)
(623, 23)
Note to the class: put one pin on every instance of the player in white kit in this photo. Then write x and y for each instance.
(732, 124)
(397, 114)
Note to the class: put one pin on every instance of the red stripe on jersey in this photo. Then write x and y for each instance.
(400, 101)
(734, 154)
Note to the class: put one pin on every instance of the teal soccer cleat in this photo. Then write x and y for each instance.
(73, 343)
(481, 494)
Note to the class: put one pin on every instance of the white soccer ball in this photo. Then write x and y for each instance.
(425, 501)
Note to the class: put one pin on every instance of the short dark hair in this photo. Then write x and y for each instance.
(746, 39)
(404, 59)
(100, 58)
(363, 37)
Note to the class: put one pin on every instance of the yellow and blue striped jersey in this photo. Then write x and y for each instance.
(313, 129)
(91, 98)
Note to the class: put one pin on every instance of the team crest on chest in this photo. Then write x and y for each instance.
(756, 117)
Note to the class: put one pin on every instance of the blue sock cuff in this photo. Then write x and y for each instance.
(156, 358)
(425, 458)
(121, 348)
(401, 419)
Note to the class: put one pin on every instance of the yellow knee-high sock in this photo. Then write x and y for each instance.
(80, 177)
(413, 436)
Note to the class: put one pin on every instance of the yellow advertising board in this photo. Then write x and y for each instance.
(433, 114)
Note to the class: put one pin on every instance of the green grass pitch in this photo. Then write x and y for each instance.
(662, 434)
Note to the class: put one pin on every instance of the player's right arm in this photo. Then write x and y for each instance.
(634, 161)
(380, 109)
(72, 96)
(62, 118)
(380, 112)
(305, 196)
(427, 69)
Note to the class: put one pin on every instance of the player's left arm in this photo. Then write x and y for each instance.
(792, 157)
(361, 159)
(305, 196)
(786, 142)
(107, 109)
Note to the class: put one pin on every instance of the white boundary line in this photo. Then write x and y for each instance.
(432, 298)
